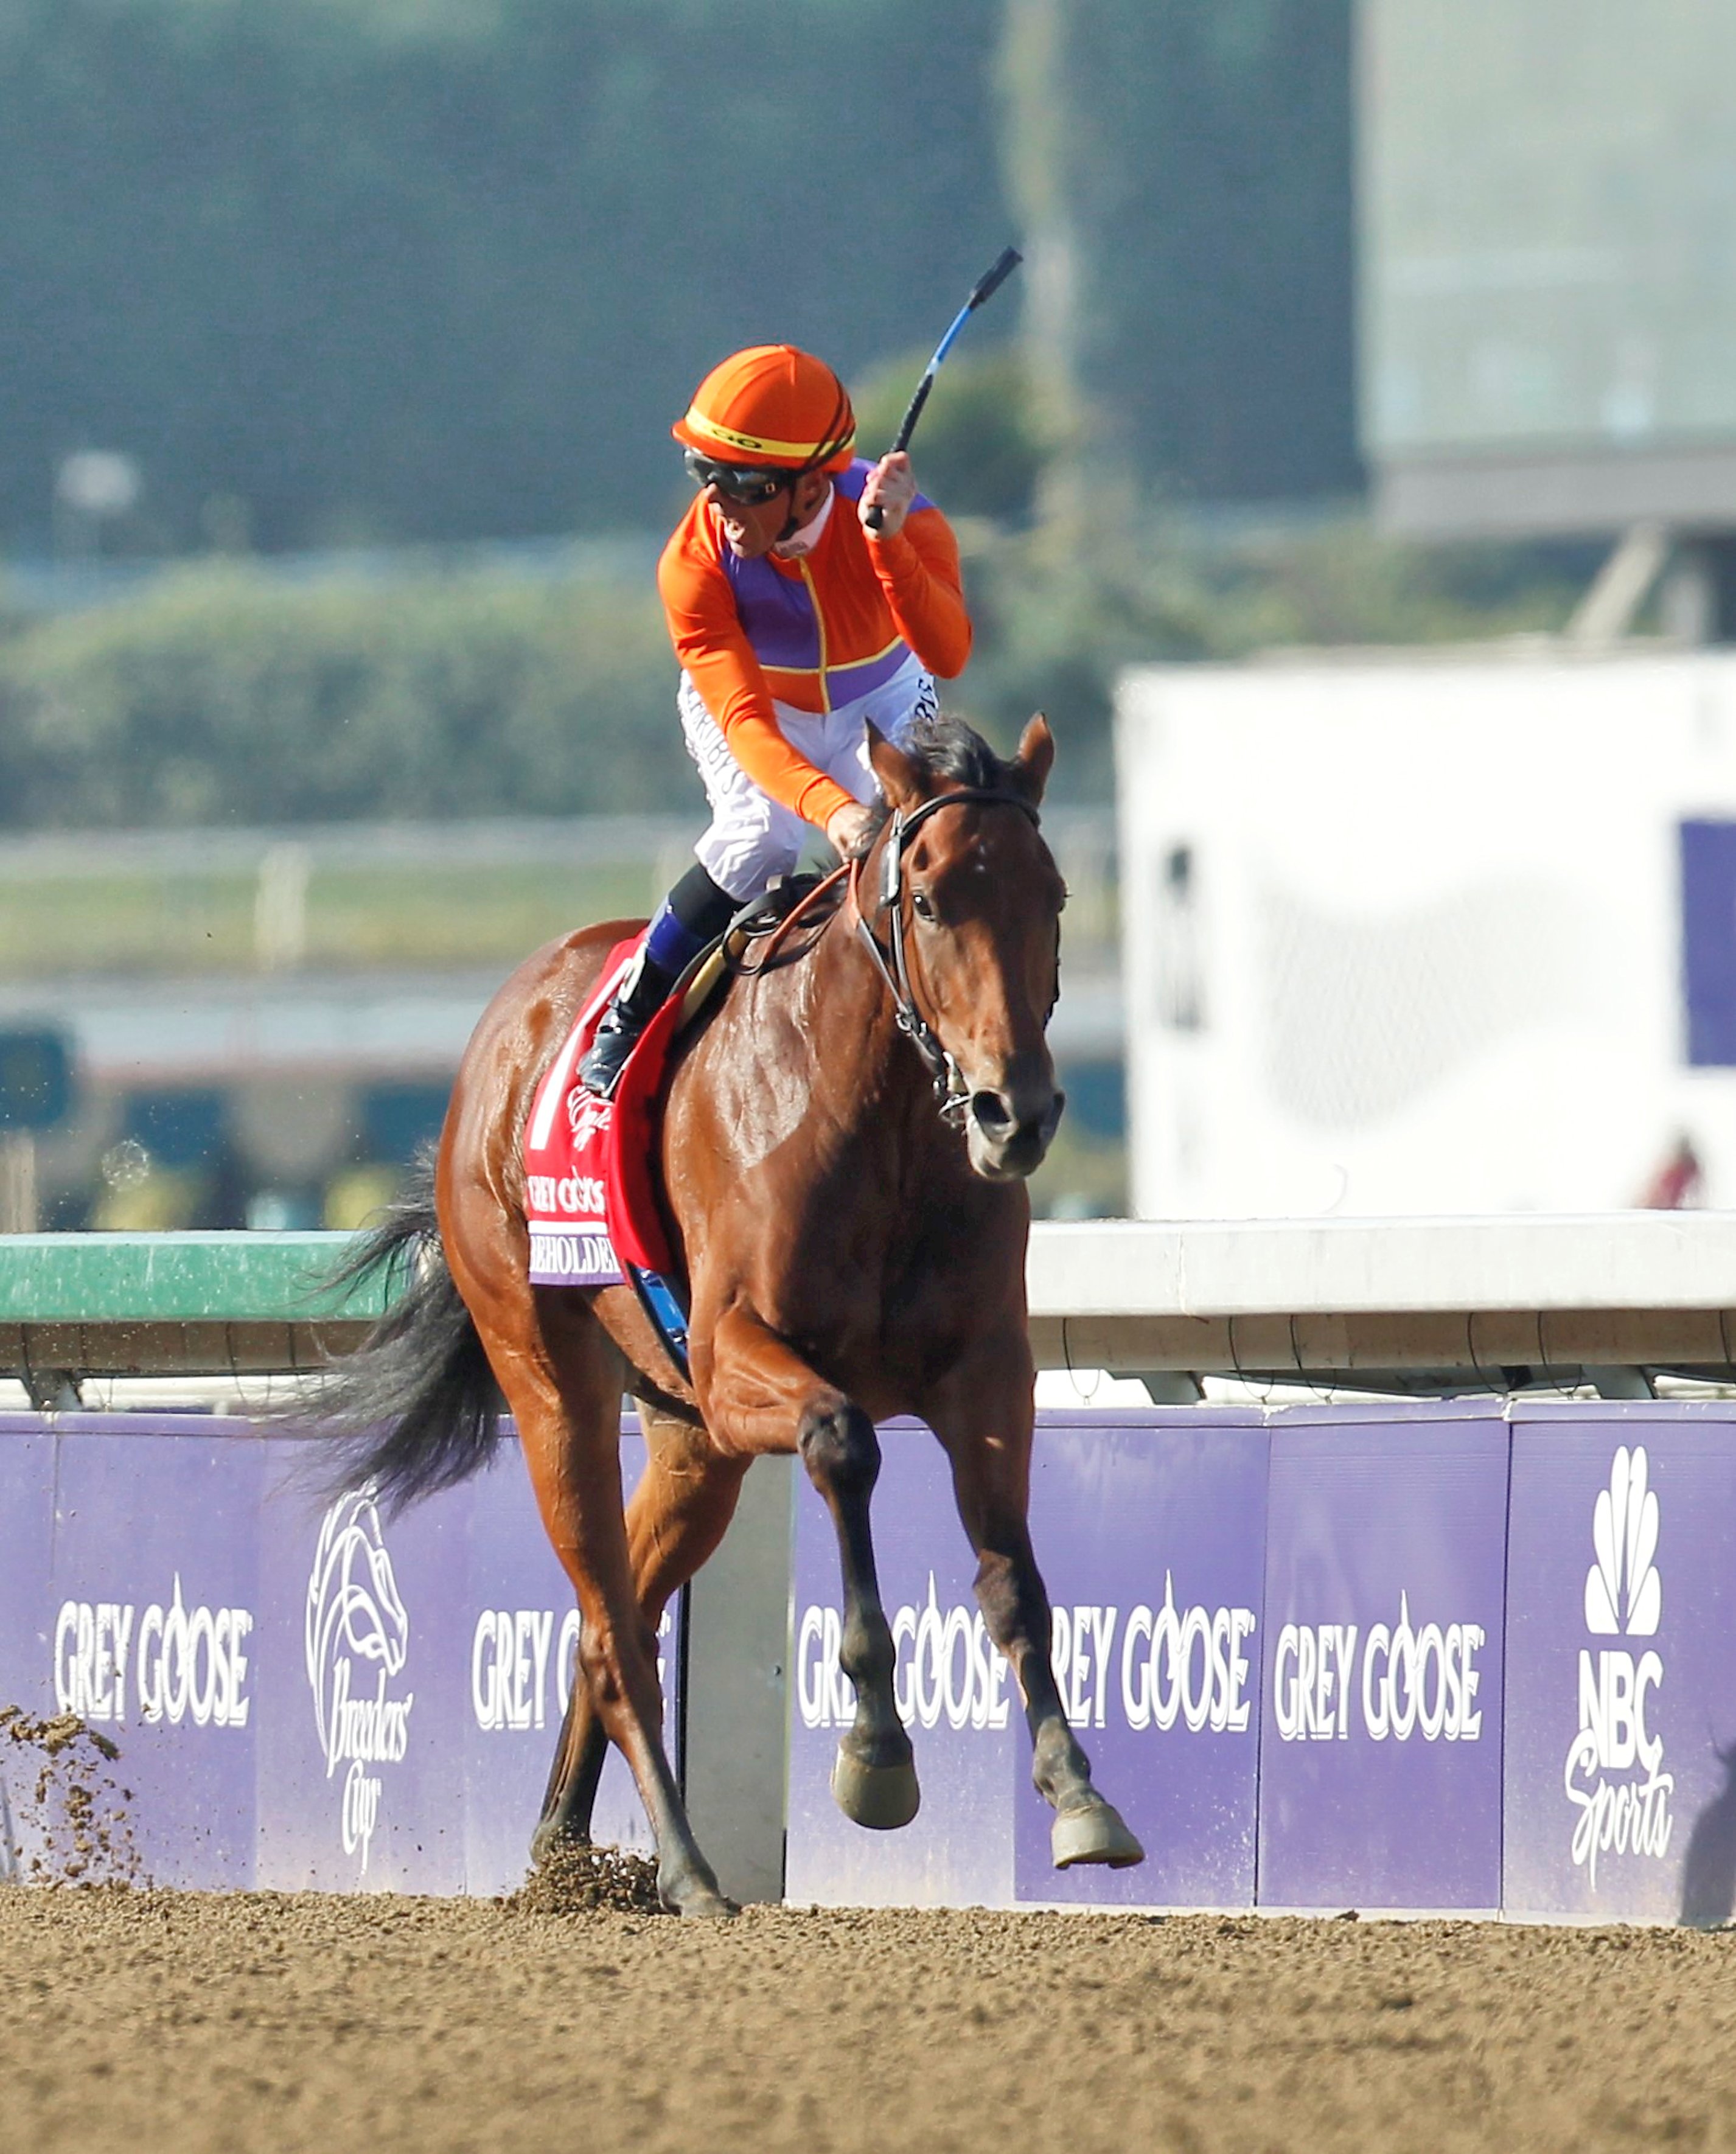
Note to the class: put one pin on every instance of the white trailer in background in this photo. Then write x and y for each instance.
(1438, 932)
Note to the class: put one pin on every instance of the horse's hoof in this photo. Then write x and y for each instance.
(551, 1838)
(1094, 1834)
(881, 1796)
(689, 1888)
(701, 1905)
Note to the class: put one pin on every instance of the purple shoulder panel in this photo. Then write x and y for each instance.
(776, 612)
(849, 483)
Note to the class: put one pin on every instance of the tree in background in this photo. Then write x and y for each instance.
(988, 435)
(365, 270)
(1183, 177)
(399, 272)
(389, 271)
(220, 693)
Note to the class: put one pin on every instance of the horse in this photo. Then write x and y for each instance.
(843, 1150)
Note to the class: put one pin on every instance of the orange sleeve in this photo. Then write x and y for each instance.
(918, 571)
(715, 653)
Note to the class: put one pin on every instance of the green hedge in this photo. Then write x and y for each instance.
(227, 694)
(220, 694)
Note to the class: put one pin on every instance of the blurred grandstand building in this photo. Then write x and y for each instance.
(1547, 210)
(1455, 930)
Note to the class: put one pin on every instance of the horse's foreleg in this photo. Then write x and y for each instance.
(760, 1395)
(685, 1499)
(984, 1415)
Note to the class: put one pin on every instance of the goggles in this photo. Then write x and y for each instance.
(750, 486)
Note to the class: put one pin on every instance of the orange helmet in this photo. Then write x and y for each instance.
(772, 405)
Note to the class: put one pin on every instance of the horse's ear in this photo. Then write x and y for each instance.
(902, 779)
(1030, 768)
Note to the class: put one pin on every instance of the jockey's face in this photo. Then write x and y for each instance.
(752, 529)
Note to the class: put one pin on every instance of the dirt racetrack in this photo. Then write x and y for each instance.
(152, 2022)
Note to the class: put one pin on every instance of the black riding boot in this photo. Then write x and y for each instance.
(695, 913)
(635, 1003)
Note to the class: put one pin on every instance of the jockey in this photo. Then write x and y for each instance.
(795, 622)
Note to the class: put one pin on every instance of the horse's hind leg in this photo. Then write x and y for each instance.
(685, 1500)
(580, 1751)
(760, 1394)
(984, 1415)
(562, 1377)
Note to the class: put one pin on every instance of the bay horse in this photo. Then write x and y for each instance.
(843, 1156)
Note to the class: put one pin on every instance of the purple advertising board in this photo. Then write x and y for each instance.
(1380, 1742)
(155, 1642)
(1447, 1656)
(303, 1692)
(27, 1547)
(362, 1676)
(27, 1543)
(420, 1686)
(1621, 1796)
(1150, 1527)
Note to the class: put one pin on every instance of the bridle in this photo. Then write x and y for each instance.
(950, 1089)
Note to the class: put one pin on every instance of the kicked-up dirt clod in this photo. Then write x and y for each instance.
(64, 1815)
(579, 1881)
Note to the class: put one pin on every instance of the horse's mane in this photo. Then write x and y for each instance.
(948, 747)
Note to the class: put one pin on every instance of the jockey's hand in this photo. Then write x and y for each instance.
(890, 488)
(849, 827)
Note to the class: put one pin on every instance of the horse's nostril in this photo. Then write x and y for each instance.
(992, 1114)
(1011, 1124)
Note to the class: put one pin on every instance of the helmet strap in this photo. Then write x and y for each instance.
(827, 449)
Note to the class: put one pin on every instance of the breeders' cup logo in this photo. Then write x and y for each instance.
(357, 1639)
(1629, 1813)
(587, 1115)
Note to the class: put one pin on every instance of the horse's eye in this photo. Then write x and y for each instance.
(923, 905)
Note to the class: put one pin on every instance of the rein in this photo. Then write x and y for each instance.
(893, 965)
(768, 938)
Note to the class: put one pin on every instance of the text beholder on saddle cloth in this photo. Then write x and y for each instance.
(590, 1199)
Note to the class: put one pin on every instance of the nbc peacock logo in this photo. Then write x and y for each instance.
(1622, 1590)
(1614, 1776)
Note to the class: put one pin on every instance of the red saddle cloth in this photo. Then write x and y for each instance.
(590, 1186)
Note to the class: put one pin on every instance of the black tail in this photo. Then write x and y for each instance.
(416, 1407)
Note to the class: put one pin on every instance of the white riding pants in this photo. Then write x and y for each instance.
(752, 837)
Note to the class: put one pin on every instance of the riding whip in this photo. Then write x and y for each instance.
(985, 287)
